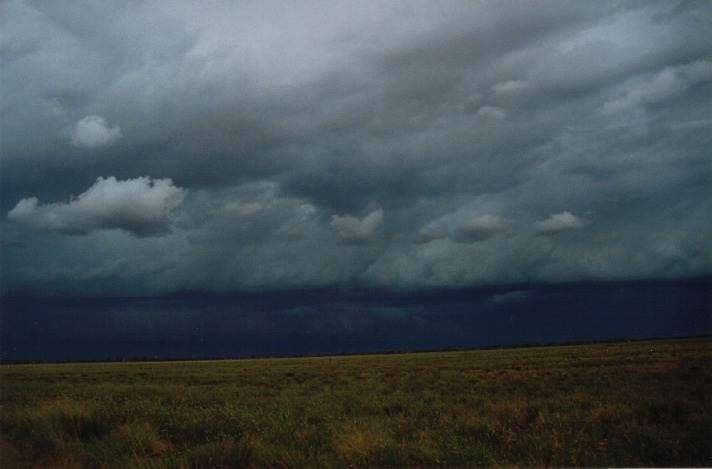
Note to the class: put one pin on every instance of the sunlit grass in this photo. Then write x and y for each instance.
(623, 404)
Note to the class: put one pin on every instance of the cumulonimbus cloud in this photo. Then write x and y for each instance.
(142, 206)
(353, 230)
(93, 132)
(559, 222)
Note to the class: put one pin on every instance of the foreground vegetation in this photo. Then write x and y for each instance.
(617, 404)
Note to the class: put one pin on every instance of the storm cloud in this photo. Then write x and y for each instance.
(228, 146)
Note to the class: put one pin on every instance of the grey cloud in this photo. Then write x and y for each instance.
(285, 129)
(353, 230)
(669, 82)
(92, 132)
(142, 206)
(289, 233)
(246, 209)
(491, 112)
(559, 222)
(508, 87)
(479, 229)
(425, 235)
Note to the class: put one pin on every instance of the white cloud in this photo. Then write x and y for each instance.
(559, 222)
(353, 230)
(671, 81)
(479, 229)
(142, 206)
(94, 132)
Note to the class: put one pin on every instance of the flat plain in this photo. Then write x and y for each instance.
(642, 403)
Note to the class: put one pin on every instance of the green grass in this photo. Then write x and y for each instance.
(624, 404)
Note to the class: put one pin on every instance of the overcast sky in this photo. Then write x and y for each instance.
(160, 146)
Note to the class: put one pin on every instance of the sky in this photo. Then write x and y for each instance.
(155, 147)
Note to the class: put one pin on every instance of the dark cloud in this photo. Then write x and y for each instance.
(383, 144)
(332, 320)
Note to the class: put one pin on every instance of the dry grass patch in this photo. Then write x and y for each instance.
(627, 404)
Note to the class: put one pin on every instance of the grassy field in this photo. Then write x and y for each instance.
(617, 404)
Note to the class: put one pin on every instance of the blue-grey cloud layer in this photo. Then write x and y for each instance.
(332, 320)
(164, 146)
